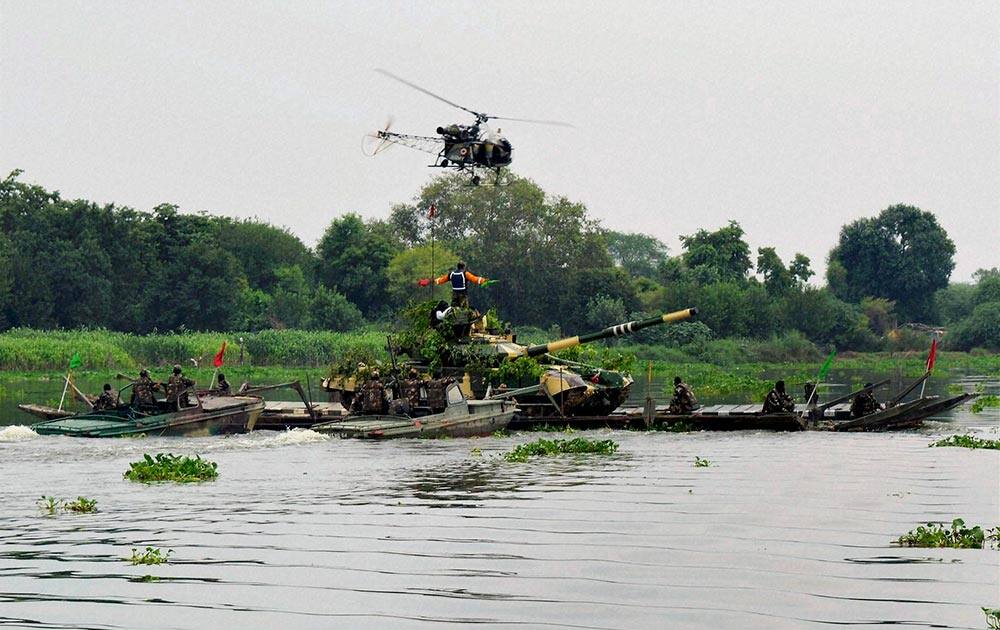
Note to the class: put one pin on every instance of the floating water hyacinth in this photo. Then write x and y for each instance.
(168, 467)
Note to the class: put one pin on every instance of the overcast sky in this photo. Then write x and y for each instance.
(792, 118)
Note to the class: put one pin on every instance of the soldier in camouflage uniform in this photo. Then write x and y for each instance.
(436, 389)
(223, 388)
(178, 386)
(142, 391)
(684, 400)
(777, 400)
(107, 400)
(410, 390)
(373, 395)
(864, 403)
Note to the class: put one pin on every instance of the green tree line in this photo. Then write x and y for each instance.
(71, 264)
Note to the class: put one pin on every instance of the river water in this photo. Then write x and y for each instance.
(781, 531)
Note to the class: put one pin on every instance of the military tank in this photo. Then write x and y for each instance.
(483, 357)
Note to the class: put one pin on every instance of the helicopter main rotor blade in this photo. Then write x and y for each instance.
(555, 123)
(427, 92)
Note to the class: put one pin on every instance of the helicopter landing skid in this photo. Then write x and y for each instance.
(476, 179)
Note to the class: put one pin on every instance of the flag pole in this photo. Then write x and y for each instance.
(930, 365)
(819, 376)
(433, 275)
(69, 375)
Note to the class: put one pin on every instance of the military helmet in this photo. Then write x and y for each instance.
(414, 373)
(107, 387)
(144, 372)
(780, 386)
(677, 380)
(177, 368)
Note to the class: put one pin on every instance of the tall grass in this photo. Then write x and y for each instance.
(23, 349)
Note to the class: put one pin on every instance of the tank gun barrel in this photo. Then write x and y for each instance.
(611, 331)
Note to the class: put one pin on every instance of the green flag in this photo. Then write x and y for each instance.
(826, 366)
(76, 361)
(490, 283)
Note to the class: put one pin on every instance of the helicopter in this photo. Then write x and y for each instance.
(474, 148)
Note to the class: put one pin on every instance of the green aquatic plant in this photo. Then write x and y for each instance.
(701, 463)
(146, 578)
(476, 452)
(49, 505)
(938, 535)
(967, 441)
(676, 427)
(984, 402)
(168, 467)
(541, 446)
(501, 433)
(152, 555)
(82, 505)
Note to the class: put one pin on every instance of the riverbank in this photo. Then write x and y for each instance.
(103, 351)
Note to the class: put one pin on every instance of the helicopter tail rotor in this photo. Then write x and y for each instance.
(377, 141)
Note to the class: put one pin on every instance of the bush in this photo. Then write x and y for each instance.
(981, 329)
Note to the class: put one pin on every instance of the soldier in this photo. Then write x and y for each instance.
(142, 391)
(223, 388)
(411, 387)
(460, 279)
(436, 389)
(373, 395)
(864, 403)
(777, 400)
(684, 400)
(810, 393)
(178, 386)
(107, 400)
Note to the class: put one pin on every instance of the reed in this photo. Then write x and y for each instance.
(152, 555)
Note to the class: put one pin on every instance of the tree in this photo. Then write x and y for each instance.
(724, 251)
(330, 310)
(353, 260)
(290, 300)
(638, 254)
(408, 266)
(535, 245)
(777, 278)
(980, 330)
(262, 249)
(901, 255)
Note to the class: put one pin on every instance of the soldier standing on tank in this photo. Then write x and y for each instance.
(810, 393)
(684, 400)
(223, 388)
(178, 386)
(107, 400)
(777, 400)
(864, 403)
(460, 279)
(142, 391)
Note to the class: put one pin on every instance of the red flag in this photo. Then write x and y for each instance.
(424, 282)
(932, 355)
(432, 211)
(218, 357)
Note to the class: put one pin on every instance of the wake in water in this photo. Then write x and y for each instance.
(295, 436)
(20, 433)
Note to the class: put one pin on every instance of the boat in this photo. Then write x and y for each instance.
(733, 418)
(460, 418)
(281, 415)
(212, 415)
(908, 415)
(44, 412)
